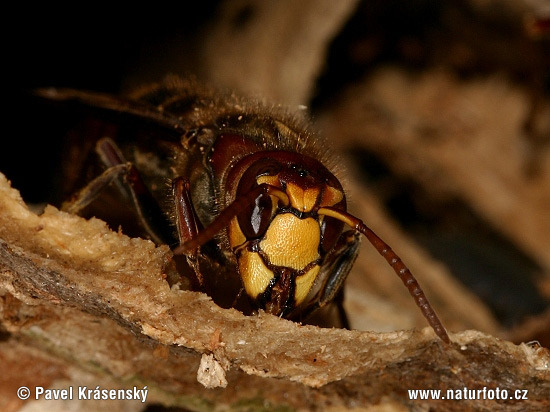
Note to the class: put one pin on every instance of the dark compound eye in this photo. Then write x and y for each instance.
(255, 219)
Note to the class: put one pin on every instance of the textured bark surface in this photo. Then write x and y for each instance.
(80, 301)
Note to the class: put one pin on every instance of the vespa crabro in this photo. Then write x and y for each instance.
(243, 193)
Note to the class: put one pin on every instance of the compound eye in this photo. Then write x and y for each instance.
(331, 229)
(255, 219)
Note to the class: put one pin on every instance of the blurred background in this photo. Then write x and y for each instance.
(440, 112)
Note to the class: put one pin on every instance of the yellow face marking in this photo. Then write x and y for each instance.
(288, 242)
(304, 284)
(270, 180)
(292, 242)
(236, 236)
(331, 196)
(255, 275)
(300, 199)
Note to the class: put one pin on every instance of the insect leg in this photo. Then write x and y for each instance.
(92, 190)
(130, 184)
(187, 222)
(152, 218)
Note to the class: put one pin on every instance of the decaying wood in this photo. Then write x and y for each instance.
(77, 296)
